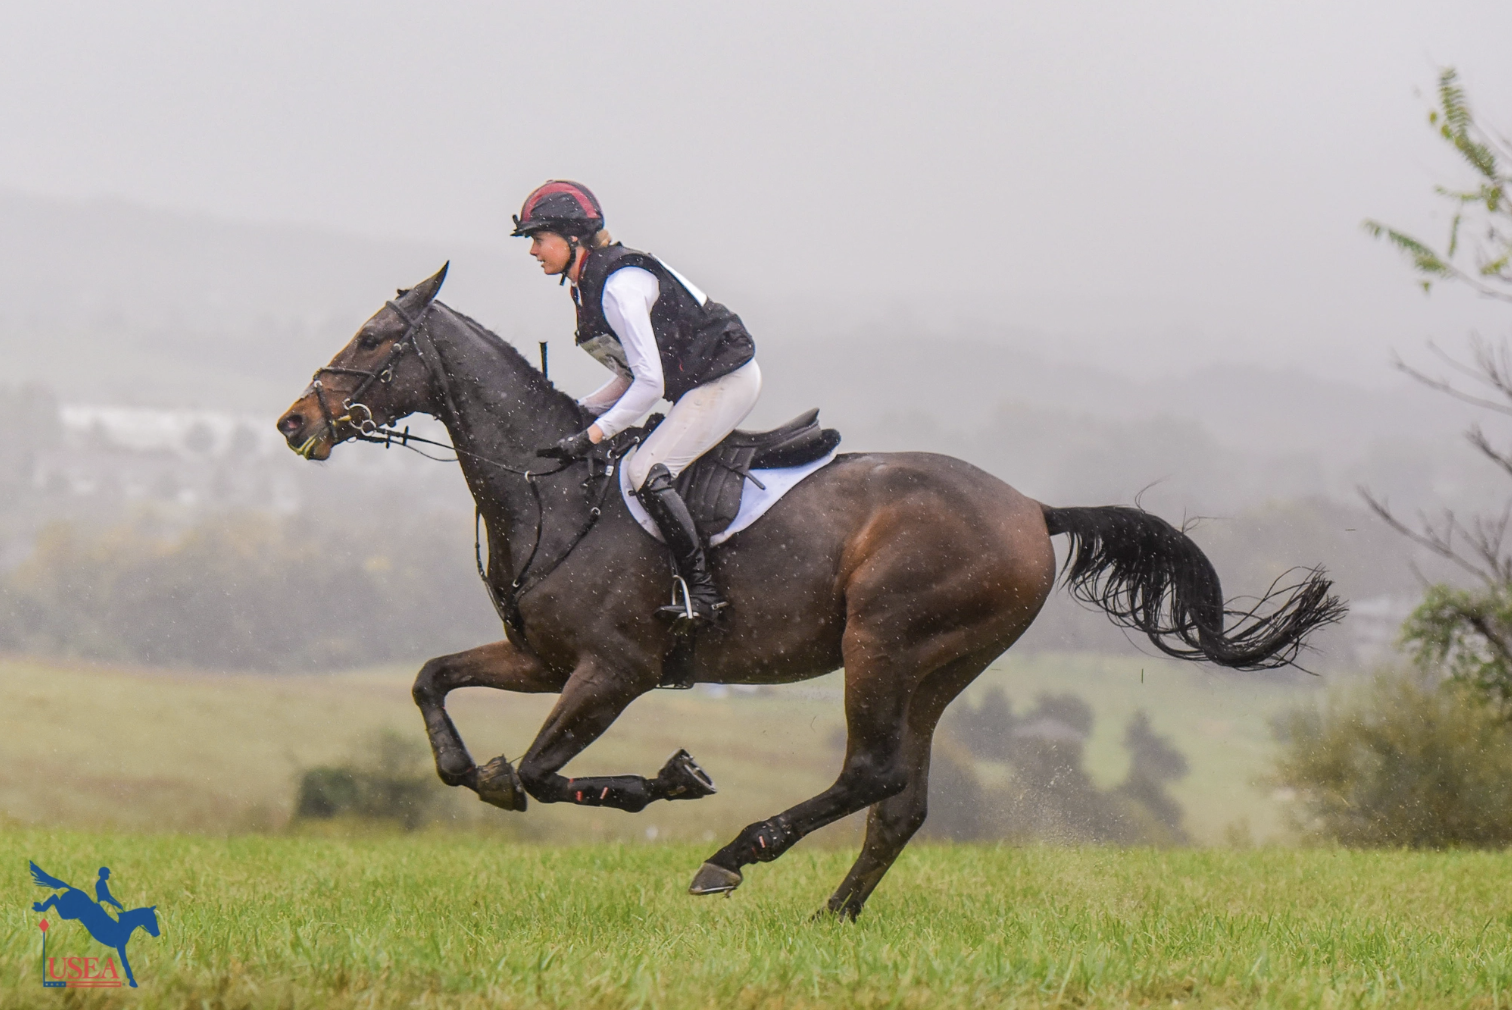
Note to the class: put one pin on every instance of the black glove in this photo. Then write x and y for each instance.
(570, 448)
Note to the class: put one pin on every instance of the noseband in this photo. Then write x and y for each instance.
(384, 374)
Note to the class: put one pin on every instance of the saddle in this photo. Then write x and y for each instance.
(712, 486)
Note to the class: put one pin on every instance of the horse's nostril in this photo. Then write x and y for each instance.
(290, 424)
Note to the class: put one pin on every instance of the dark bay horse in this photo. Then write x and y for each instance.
(911, 571)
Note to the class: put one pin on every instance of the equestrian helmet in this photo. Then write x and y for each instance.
(568, 208)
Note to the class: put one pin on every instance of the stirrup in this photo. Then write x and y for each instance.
(684, 614)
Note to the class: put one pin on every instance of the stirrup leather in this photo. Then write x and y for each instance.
(694, 596)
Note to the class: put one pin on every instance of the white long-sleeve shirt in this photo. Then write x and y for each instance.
(629, 293)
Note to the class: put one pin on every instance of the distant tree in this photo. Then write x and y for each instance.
(1051, 796)
(958, 809)
(244, 591)
(1048, 794)
(1153, 762)
(32, 421)
(1467, 632)
(1403, 760)
(388, 780)
(986, 728)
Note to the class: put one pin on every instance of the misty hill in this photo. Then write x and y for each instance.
(111, 303)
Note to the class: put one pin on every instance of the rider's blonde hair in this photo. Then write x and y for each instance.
(600, 239)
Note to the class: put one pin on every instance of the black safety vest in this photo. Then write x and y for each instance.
(698, 341)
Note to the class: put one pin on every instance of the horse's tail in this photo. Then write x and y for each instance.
(1151, 577)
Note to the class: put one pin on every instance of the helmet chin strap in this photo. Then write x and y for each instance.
(573, 247)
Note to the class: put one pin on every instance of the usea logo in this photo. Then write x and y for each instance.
(113, 931)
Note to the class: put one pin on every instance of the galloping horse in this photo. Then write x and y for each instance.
(911, 571)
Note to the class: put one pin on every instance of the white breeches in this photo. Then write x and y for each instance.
(697, 422)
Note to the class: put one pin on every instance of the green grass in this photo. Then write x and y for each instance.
(454, 920)
(92, 747)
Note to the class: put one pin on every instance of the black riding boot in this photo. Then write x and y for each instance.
(670, 513)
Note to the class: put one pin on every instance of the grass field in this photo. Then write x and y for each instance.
(452, 920)
(91, 747)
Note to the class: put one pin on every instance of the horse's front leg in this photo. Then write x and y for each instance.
(594, 697)
(42, 906)
(498, 665)
(121, 950)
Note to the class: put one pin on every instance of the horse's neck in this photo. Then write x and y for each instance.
(504, 412)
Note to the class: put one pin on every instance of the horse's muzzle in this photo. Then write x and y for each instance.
(306, 436)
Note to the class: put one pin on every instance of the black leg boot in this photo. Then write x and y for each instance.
(670, 513)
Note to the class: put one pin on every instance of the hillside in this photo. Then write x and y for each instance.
(82, 746)
(211, 327)
(115, 304)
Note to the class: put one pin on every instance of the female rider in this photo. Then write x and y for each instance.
(661, 337)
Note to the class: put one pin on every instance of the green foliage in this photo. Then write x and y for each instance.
(1467, 633)
(1478, 248)
(243, 591)
(1401, 761)
(446, 921)
(391, 780)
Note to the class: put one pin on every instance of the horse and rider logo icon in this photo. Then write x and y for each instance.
(112, 931)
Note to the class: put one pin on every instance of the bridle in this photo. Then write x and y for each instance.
(601, 468)
(383, 374)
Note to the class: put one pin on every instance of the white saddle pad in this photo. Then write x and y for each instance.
(754, 501)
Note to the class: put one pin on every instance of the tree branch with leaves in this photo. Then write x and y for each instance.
(1466, 633)
(1478, 251)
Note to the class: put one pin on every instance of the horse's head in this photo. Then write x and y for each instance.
(145, 917)
(377, 378)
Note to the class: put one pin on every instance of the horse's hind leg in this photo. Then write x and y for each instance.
(499, 665)
(879, 685)
(891, 823)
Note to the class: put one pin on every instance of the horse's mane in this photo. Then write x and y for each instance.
(536, 383)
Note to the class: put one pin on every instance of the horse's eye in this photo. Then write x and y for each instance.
(370, 341)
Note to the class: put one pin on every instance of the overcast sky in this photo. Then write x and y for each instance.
(1146, 185)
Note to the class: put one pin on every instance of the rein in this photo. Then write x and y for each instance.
(368, 430)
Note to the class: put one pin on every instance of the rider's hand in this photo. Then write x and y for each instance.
(570, 448)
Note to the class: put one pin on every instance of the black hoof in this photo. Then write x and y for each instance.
(499, 784)
(711, 879)
(682, 779)
(845, 913)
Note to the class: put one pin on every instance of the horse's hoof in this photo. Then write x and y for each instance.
(682, 779)
(711, 879)
(498, 783)
(845, 913)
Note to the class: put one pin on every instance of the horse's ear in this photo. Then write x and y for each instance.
(427, 289)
